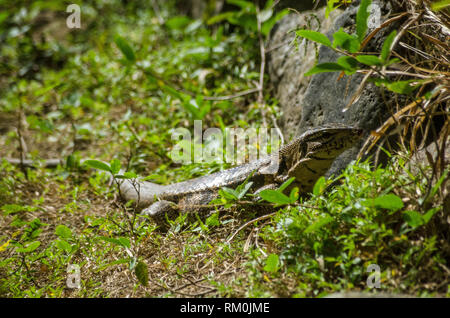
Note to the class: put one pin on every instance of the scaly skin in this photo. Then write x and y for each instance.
(306, 158)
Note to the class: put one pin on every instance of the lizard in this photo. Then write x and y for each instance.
(306, 158)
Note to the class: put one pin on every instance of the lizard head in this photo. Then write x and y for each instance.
(329, 142)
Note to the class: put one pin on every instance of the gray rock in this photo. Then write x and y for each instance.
(319, 100)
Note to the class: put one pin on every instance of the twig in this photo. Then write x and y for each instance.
(248, 223)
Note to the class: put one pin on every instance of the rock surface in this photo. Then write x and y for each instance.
(320, 99)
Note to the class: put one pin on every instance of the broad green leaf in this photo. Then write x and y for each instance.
(63, 231)
(319, 186)
(125, 48)
(369, 60)
(386, 50)
(413, 218)
(274, 196)
(272, 263)
(97, 164)
(121, 241)
(178, 22)
(29, 248)
(325, 67)
(64, 246)
(141, 271)
(361, 19)
(389, 202)
(115, 166)
(314, 36)
(319, 224)
(346, 41)
(403, 87)
(349, 63)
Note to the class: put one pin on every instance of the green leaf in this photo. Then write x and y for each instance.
(213, 220)
(319, 224)
(361, 19)
(386, 50)
(427, 216)
(63, 231)
(178, 22)
(389, 202)
(13, 208)
(274, 196)
(29, 248)
(64, 246)
(125, 48)
(413, 218)
(349, 63)
(268, 25)
(325, 67)
(141, 271)
(121, 241)
(272, 263)
(403, 87)
(115, 166)
(319, 186)
(346, 41)
(97, 164)
(439, 5)
(286, 184)
(314, 36)
(230, 193)
(242, 189)
(369, 60)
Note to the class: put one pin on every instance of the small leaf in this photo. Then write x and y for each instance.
(213, 220)
(314, 36)
(361, 19)
(29, 248)
(403, 87)
(319, 186)
(121, 241)
(178, 22)
(272, 263)
(325, 67)
(349, 63)
(346, 41)
(413, 218)
(141, 271)
(286, 184)
(319, 224)
(389, 202)
(63, 231)
(369, 60)
(64, 246)
(243, 189)
(97, 164)
(387, 46)
(125, 48)
(115, 166)
(274, 196)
